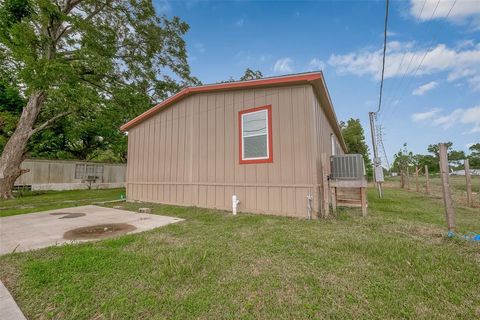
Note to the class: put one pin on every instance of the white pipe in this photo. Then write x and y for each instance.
(235, 203)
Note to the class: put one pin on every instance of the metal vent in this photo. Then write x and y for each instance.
(347, 167)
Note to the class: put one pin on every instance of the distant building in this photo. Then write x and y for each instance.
(473, 172)
(70, 175)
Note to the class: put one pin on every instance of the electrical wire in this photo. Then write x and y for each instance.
(384, 56)
(394, 95)
(425, 54)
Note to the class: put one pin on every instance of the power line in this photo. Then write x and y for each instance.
(384, 56)
(377, 162)
(426, 51)
(394, 95)
(399, 69)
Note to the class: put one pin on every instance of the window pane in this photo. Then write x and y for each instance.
(255, 147)
(254, 123)
(90, 170)
(99, 171)
(79, 171)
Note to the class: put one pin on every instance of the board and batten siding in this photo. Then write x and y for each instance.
(188, 154)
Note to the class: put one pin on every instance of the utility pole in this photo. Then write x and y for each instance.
(377, 168)
(380, 135)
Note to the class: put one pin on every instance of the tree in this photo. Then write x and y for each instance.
(84, 57)
(354, 137)
(249, 74)
(403, 159)
(11, 104)
(434, 149)
(474, 156)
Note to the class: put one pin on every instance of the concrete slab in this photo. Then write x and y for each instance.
(8, 307)
(43, 229)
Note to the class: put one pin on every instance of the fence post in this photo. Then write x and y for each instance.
(427, 181)
(408, 179)
(469, 183)
(447, 195)
(402, 180)
(417, 187)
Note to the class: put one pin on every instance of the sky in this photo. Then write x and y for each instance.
(432, 73)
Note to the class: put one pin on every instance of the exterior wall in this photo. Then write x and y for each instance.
(188, 154)
(323, 131)
(60, 175)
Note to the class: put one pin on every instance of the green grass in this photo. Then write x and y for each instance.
(397, 263)
(32, 201)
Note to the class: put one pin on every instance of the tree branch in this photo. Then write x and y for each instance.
(48, 122)
(69, 5)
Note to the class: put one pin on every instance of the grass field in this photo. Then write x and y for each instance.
(48, 200)
(397, 263)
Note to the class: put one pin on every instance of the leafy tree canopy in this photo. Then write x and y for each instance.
(97, 63)
(354, 137)
(249, 74)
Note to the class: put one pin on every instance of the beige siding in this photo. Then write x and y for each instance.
(188, 154)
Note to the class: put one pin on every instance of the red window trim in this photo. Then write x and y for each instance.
(270, 137)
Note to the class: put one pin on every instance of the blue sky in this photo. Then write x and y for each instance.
(429, 102)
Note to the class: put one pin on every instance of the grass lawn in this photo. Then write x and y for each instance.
(32, 201)
(397, 263)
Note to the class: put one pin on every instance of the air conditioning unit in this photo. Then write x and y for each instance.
(347, 167)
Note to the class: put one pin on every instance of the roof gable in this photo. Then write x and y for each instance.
(313, 78)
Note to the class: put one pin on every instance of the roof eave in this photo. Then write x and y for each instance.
(258, 83)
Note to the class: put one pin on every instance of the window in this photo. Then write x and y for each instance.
(83, 171)
(79, 171)
(99, 171)
(90, 171)
(255, 126)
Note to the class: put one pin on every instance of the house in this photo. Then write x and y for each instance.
(70, 175)
(267, 141)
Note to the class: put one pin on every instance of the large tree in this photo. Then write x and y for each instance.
(354, 137)
(474, 155)
(84, 57)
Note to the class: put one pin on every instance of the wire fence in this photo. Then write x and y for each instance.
(458, 186)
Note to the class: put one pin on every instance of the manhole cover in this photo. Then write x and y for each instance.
(68, 215)
(98, 231)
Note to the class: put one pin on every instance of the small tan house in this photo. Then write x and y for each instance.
(264, 141)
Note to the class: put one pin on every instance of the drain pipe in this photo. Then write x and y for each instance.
(309, 206)
(235, 203)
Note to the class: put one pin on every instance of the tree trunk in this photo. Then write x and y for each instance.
(14, 152)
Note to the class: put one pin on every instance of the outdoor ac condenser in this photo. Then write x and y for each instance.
(347, 167)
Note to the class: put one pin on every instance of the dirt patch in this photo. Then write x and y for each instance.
(98, 231)
(68, 215)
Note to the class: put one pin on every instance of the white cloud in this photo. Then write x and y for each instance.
(466, 116)
(239, 23)
(459, 63)
(283, 65)
(200, 47)
(316, 64)
(463, 10)
(424, 88)
(422, 116)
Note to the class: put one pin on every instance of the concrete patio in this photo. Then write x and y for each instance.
(43, 229)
